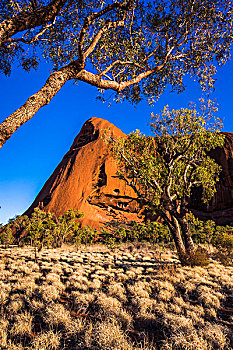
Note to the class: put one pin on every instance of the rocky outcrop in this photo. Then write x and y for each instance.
(86, 180)
(220, 207)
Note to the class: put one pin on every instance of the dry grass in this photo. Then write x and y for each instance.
(126, 299)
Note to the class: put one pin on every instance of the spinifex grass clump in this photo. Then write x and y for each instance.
(98, 299)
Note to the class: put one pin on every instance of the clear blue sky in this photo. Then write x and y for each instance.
(33, 152)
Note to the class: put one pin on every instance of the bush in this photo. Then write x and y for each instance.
(153, 232)
(6, 236)
(223, 239)
(44, 229)
(85, 235)
(40, 229)
(198, 258)
(66, 227)
(201, 231)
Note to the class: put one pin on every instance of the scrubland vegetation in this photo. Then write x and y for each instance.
(130, 297)
(46, 230)
(121, 288)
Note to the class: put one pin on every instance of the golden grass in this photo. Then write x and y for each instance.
(94, 298)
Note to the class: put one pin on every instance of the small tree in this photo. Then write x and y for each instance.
(85, 235)
(6, 236)
(66, 225)
(19, 224)
(40, 229)
(223, 239)
(163, 169)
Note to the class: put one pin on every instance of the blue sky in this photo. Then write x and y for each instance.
(33, 152)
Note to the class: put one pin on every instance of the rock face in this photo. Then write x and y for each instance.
(86, 180)
(220, 208)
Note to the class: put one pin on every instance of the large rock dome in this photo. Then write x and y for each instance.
(86, 180)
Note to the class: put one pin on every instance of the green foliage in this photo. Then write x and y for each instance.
(201, 231)
(208, 232)
(167, 38)
(108, 237)
(19, 223)
(40, 229)
(44, 229)
(197, 258)
(223, 239)
(11, 232)
(175, 160)
(85, 235)
(219, 236)
(163, 170)
(66, 226)
(6, 236)
(152, 232)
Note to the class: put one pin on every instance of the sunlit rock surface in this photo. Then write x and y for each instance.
(86, 180)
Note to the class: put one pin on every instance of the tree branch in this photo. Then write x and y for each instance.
(53, 84)
(90, 19)
(122, 63)
(13, 40)
(29, 19)
(98, 36)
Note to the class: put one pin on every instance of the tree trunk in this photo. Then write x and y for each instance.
(181, 235)
(53, 84)
(175, 231)
(35, 254)
(188, 242)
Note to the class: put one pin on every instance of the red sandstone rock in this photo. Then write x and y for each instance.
(86, 180)
(220, 208)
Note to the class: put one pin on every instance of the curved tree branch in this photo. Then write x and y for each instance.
(53, 84)
(29, 19)
(90, 19)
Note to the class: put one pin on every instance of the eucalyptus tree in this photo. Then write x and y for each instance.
(133, 47)
(66, 226)
(40, 229)
(165, 168)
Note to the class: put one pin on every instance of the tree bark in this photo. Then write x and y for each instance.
(29, 19)
(181, 235)
(53, 84)
(174, 227)
(188, 242)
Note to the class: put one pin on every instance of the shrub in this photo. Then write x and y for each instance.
(224, 239)
(6, 236)
(219, 236)
(201, 231)
(153, 232)
(40, 229)
(44, 229)
(85, 235)
(198, 258)
(66, 227)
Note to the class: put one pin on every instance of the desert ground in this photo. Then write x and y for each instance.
(124, 298)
